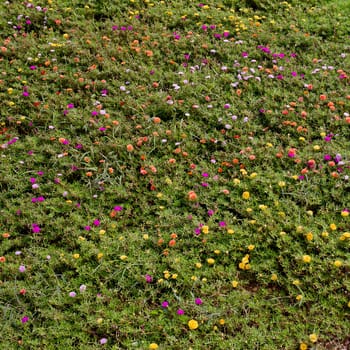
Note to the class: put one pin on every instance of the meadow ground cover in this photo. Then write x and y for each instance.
(175, 175)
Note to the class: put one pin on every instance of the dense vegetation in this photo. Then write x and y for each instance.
(175, 174)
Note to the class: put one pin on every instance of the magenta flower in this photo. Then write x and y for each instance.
(97, 222)
(103, 341)
(118, 208)
(25, 319)
(180, 312)
(35, 228)
(148, 278)
(198, 301)
(165, 304)
(22, 268)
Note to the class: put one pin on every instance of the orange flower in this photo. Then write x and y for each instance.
(2, 259)
(129, 147)
(192, 196)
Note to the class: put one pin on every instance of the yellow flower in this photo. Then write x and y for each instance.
(299, 297)
(325, 234)
(309, 236)
(210, 261)
(76, 256)
(313, 338)
(303, 346)
(251, 247)
(234, 284)
(344, 213)
(99, 255)
(281, 184)
(230, 231)
(344, 236)
(222, 321)
(317, 148)
(153, 346)
(145, 236)
(338, 263)
(274, 277)
(333, 226)
(307, 258)
(123, 257)
(205, 229)
(296, 282)
(246, 195)
(192, 324)
(198, 265)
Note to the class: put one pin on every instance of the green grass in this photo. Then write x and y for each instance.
(131, 135)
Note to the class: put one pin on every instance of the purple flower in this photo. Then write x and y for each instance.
(24, 319)
(327, 157)
(82, 288)
(244, 54)
(35, 228)
(222, 224)
(103, 341)
(227, 106)
(210, 212)
(148, 278)
(180, 312)
(97, 222)
(118, 208)
(72, 294)
(87, 228)
(198, 301)
(338, 158)
(22, 268)
(165, 304)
